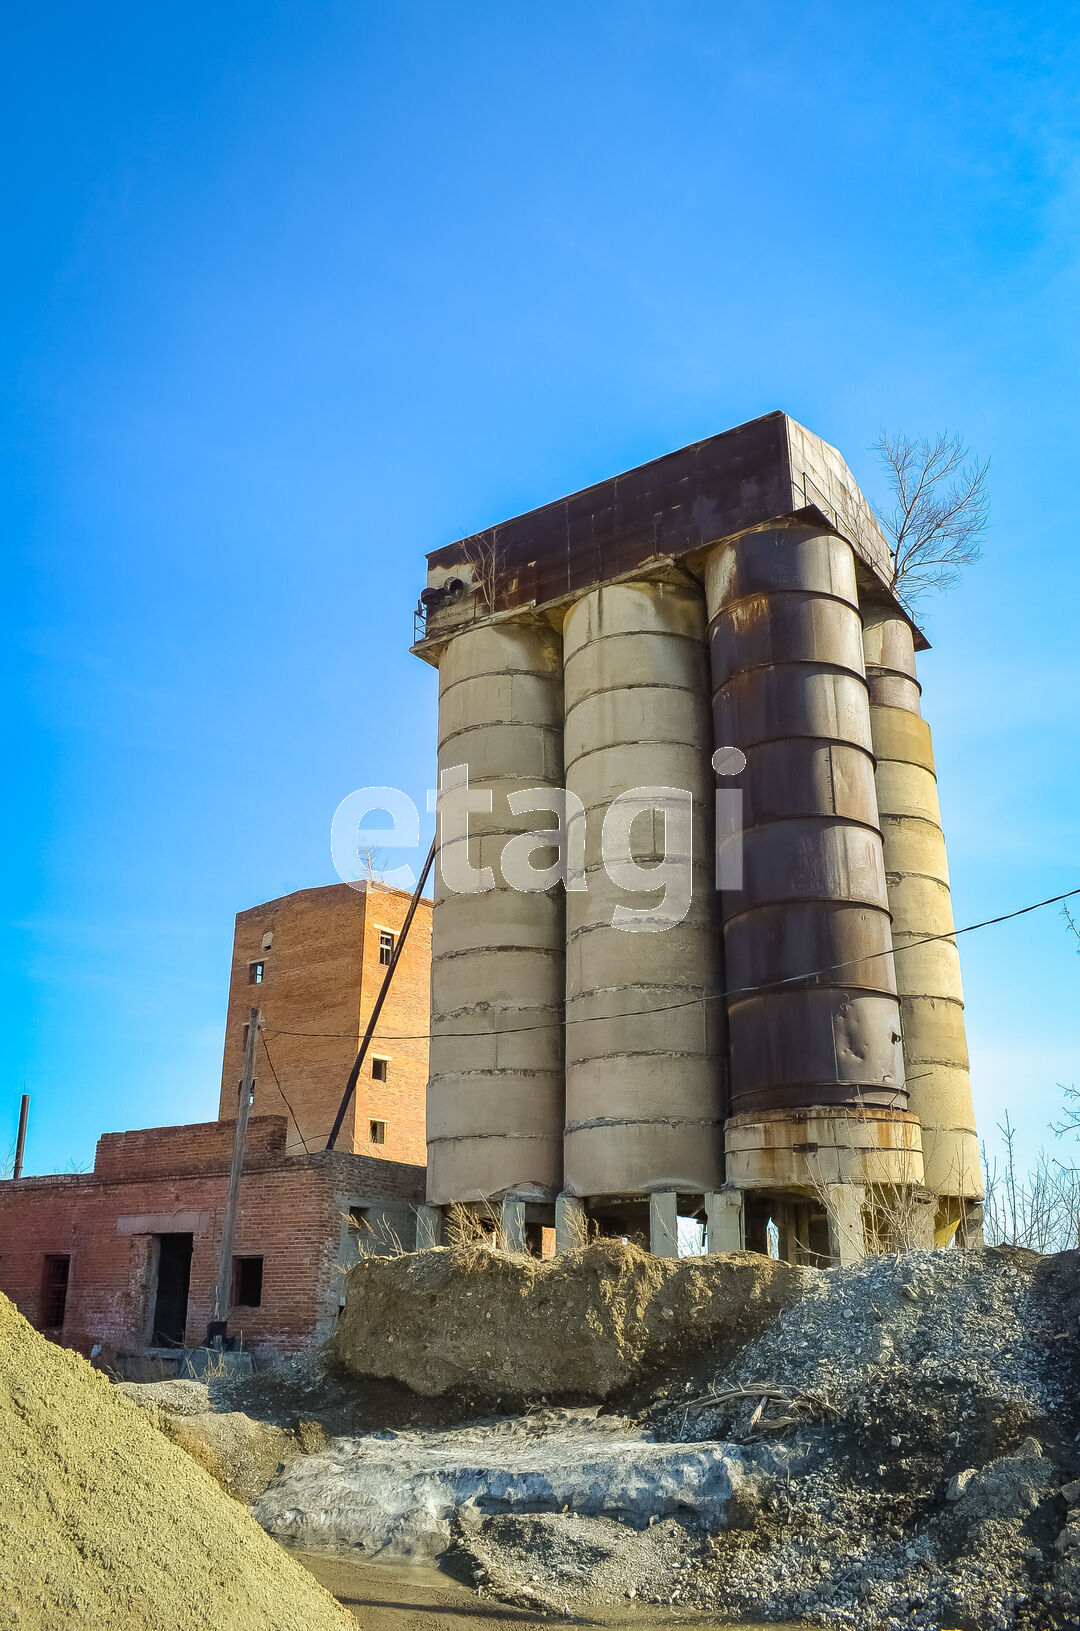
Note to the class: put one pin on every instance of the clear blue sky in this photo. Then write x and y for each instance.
(293, 293)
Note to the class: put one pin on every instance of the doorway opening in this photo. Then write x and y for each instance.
(171, 1298)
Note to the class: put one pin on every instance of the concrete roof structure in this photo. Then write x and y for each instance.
(759, 473)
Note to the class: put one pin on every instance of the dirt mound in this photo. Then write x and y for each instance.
(908, 1432)
(583, 1325)
(104, 1523)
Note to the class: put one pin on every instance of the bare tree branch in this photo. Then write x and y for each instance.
(481, 552)
(941, 509)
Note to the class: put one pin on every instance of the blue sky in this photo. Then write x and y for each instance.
(294, 293)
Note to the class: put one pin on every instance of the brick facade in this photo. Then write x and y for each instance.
(320, 977)
(157, 1194)
(294, 1214)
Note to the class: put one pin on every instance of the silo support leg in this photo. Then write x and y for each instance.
(725, 1229)
(664, 1223)
(847, 1238)
(513, 1224)
(571, 1224)
(429, 1227)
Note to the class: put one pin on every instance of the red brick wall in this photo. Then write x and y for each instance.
(321, 978)
(401, 1035)
(150, 1151)
(310, 1002)
(290, 1213)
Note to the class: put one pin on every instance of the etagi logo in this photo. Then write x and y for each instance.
(668, 811)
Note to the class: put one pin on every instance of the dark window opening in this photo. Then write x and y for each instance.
(255, 974)
(240, 1093)
(244, 1037)
(247, 1274)
(379, 1070)
(171, 1299)
(386, 946)
(54, 1288)
(378, 1132)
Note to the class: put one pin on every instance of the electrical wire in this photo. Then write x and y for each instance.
(705, 996)
(281, 1090)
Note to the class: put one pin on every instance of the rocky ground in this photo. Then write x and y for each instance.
(887, 1445)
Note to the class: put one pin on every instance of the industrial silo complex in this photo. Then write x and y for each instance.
(690, 949)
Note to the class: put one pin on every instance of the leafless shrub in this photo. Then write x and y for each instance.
(481, 552)
(579, 1228)
(941, 508)
(372, 862)
(1039, 1209)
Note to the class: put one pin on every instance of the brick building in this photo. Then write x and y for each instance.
(313, 963)
(126, 1256)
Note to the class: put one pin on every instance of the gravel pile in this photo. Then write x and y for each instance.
(907, 1430)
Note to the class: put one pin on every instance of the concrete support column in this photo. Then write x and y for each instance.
(571, 1224)
(664, 1223)
(847, 1234)
(513, 1224)
(927, 975)
(969, 1231)
(643, 1072)
(725, 1227)
(923, 1217)
(429, 1227)
(495, 1103)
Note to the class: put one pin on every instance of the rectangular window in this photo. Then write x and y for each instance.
(378, 1132)
(255, 973)
(54, 1288)
(380, 1070)
(357, 1218)
(386, 946)
(247, 1282)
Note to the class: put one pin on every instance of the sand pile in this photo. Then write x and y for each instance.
(104, 1523)
(482, 1321)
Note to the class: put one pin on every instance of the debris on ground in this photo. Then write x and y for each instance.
(242, 1454)
(104, 1523)
(892, 1443)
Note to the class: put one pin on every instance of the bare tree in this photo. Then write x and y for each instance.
(481, 552)
(372, 862)
(941, 509)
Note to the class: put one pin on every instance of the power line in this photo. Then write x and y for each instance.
(705, 996)
(281, 1090)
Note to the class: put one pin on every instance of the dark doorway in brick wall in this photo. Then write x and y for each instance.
(54, 1287)
(171, 1296)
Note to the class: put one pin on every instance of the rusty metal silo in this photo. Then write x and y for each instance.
(927, 975)
(643, 1106)
(495, 1089)
(789, 690)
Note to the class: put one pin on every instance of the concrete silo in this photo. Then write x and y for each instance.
(762, 1054)
(495, 1092)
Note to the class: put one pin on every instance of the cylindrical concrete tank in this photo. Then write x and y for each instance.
(643, 1092)
(790, 691)
(927, 976)
(495, 1089)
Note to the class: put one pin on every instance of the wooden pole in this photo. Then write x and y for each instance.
(20, 1142)
(399, 947)
(219, 1307)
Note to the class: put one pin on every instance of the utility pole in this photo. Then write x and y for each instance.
(20, 1142)
(217, 1328)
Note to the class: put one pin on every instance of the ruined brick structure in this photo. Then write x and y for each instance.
(124, 1258)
